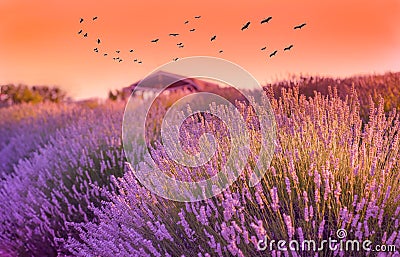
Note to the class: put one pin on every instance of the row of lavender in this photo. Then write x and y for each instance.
(54, 157)
(330, 171)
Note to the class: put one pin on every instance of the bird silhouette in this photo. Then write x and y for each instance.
(174, 34)
(179, 44)
(139, 61)
(192, 30)
(246, 26)
(299, 26)
(155, 40)
(120, 60)
(266, 20)
(273, 53)
(96, 50)
(288, 48)
(186, 22)
(85, 35)
(197, 17)
(262, 49)
(117, 51)
(213, 37)
(175, 59)
(95, 18)
(81, 20)
(80, 31)
(131, 51)
(221, 51)
(135, 60)
(105, 54)
(98, 41)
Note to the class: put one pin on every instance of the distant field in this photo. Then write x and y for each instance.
(66, 190)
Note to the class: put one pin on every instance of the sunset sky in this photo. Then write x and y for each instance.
(40, 45)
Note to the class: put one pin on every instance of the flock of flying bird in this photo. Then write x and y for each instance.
(118, 59)
(181, 45)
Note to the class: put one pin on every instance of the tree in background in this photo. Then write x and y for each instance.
(12, 94)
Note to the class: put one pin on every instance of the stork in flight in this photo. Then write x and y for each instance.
(287, 48)
(266, 20)
(246, 26)
(155, 40)
(273, 53)
(213, 37)
(300, 26)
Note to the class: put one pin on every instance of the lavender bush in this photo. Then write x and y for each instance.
(373, 86)
(24, 128)
(330, 171)
(57, 181)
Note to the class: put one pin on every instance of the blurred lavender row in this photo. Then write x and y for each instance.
(67, 152)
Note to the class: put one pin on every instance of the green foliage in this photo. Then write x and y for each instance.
(12, 94)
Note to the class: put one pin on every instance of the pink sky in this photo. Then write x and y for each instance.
(39, 43)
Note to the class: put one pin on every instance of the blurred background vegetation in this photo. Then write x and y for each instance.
(369, 88)
(16, 94)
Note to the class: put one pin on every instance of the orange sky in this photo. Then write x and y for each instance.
(39, 43)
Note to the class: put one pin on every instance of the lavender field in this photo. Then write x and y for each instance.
(66, 188)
